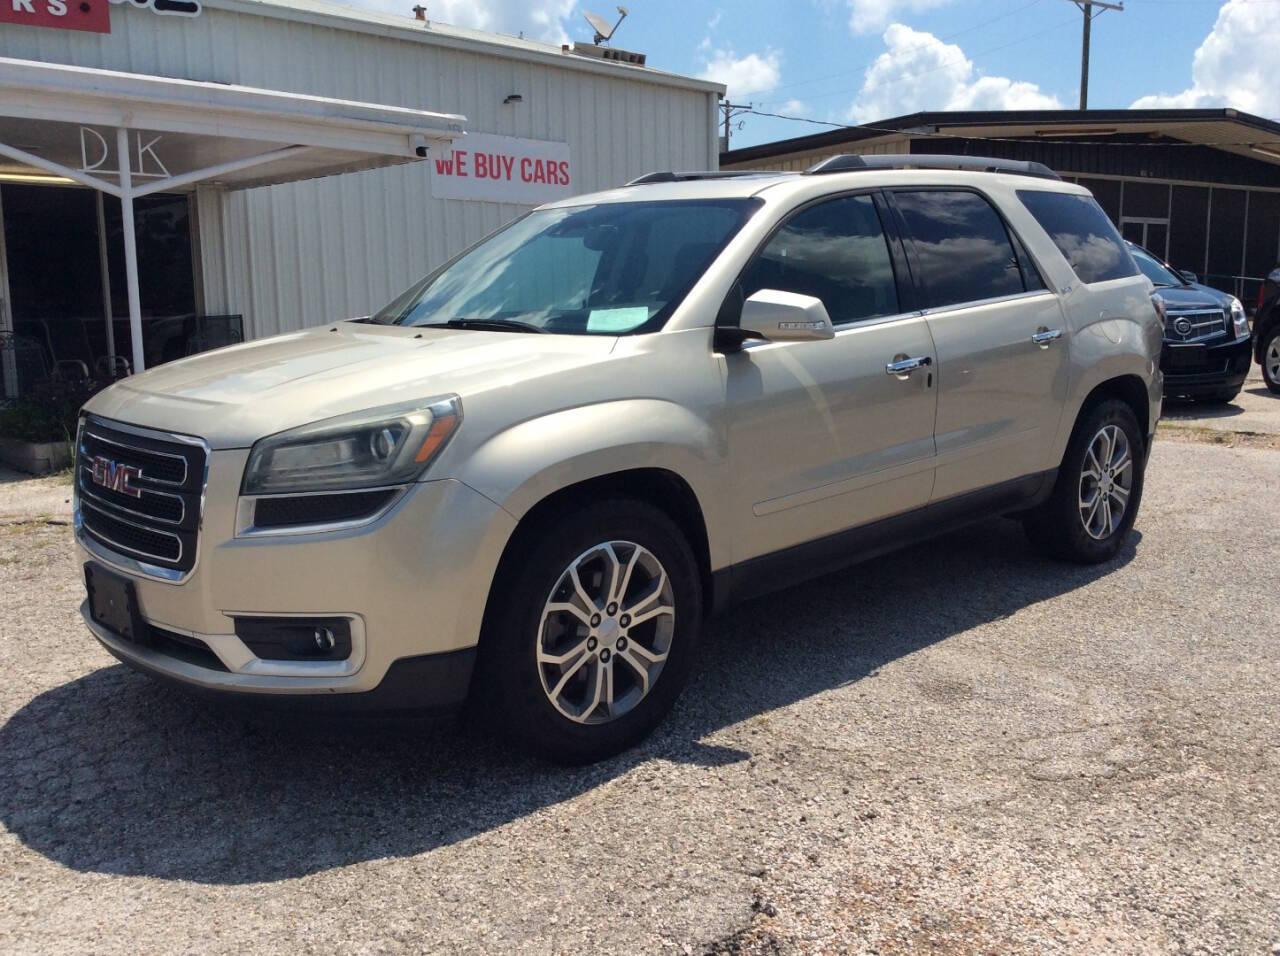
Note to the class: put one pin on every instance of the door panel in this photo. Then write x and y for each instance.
(822, 439)
(1000, 395)
(1002, 340)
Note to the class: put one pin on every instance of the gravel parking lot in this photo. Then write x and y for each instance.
(959, 748)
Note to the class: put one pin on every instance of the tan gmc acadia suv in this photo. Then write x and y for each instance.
(529, 479)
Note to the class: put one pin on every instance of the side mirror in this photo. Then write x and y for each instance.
(777, 316)
(1188, 276)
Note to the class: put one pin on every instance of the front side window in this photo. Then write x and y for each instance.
(1083, 234)
(605, 269)
(835, 251)
(962, 247)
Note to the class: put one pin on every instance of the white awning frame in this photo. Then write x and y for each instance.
(324, 136)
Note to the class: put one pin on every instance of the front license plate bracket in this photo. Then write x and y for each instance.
(113, 603)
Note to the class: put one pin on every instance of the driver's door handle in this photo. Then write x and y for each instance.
(1044, 337)
(907, 365)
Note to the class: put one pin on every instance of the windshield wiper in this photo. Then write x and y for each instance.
(495, 325)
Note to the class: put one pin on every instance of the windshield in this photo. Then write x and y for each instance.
(1153, 268)
(605, 269)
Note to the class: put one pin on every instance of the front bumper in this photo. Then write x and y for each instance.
(1213, 368)
(413, 585)
(425, 684)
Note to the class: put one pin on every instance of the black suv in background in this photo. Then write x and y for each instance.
(1207, 346)
(1266, 331)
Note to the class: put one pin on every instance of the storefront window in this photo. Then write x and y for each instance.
(55, 277)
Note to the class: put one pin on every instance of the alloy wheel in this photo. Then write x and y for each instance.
(605, 632)
(1271, 359)
(1106, 482)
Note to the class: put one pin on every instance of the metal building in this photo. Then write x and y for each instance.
(529, 122)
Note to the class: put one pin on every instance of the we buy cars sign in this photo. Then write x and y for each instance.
(489, 168)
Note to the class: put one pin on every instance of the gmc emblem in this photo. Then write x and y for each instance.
(116, 477)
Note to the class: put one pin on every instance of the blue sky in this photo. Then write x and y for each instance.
(851, 61)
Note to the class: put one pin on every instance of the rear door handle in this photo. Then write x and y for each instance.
(1044, 337)
(907, 365)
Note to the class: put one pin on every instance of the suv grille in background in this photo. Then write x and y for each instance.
(1193, 325)
(140, 495)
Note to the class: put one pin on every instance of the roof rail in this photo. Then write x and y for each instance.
(849, 162)
(686, 177)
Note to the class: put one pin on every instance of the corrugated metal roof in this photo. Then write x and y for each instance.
(1227, 129)
(446, 34)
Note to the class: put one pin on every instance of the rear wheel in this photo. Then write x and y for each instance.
(591, 632)
(1099, 487)
(1271, 360)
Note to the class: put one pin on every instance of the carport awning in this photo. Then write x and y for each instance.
(63, 115)
(129, 135)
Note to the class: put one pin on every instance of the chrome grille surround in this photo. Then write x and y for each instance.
(150, 524)
(1195, 325)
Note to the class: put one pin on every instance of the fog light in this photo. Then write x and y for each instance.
(324, 639)
(296, 639)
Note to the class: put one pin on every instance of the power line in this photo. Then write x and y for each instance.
(943, 65)
(949, 36)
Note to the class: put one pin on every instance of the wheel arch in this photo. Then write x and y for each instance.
(1128, 388)
(660, 488)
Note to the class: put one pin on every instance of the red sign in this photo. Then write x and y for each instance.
(91, 15)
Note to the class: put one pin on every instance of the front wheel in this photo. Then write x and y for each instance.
(1271, 360)
(590, 632)
(1099, 487)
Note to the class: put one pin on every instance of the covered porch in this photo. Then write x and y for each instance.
(133, 140)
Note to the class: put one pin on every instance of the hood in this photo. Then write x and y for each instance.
(234, 396)
(1195, 296)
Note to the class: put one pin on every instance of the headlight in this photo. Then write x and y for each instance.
(1239, 318)
(384, 446)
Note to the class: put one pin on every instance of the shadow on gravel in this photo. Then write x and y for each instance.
(114, 774)
(1180, 408)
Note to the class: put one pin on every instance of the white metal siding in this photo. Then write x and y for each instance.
(307, 253)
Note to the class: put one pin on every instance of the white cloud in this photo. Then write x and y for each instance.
(536, 19)
(867, 16)
(794, 108)
(743, 75)
(1235, 65)
(918, 71)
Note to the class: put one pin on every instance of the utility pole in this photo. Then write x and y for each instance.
(730, 110)
(1087, 8)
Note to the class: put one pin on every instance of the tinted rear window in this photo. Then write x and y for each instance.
(962, 246)
(1083, 233)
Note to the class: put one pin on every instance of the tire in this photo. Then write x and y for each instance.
(1058, 527)
(1270, 358)
(593, 647)
(1221, 397)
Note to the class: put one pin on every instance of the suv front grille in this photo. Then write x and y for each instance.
(140, 493)
(1194, 325)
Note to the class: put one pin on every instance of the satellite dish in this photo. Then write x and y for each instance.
(601, 25)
